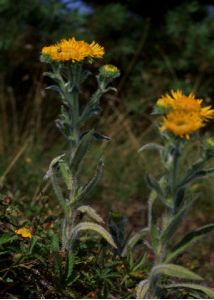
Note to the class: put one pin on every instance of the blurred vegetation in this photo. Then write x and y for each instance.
(154, 56)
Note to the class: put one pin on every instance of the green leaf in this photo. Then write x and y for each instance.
(53, 164)
(151, 146)
(83, 192)
(6, 238)
(86, 209)
(58, 191)
(142, 289)
(58, 265)
(198, 287)
(51, 174)
(175, 271)
(85, 226)
(140, 264)
(188, 240)
(195, 176)
(81, 151)
(154, 232)
(133, 241)
(66, 174)
(56, 88)
(32, 244)
(54, 242)
(176, 221)
(69, 264)
(156, 186)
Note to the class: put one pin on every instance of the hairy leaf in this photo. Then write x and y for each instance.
(188, 240)
(151, 146)
(85, 226)
(175, 271)
(156, 186)
(195, 176)
(142, 289)
(86, 209)
(69, 264)
(198, 287)
(133, 241)
(81, 151)
(176, 221)
(53, 163)
(66, 174)
(92, 183)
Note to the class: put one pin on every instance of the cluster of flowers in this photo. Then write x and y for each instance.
(183, 115)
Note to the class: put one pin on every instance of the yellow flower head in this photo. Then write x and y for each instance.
(24, 232)
(209, 147)
(177, 101)
(210, 142)
(109, 71)
(97, 51)
(73, 50)
(181, 123)
(185, 114)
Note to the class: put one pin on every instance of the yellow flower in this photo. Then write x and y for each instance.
(110, 69)
(73, 50)
(210, 142)
(177, 101)
(24, 232)
(165, 101)
(97, 51)
(181, 123)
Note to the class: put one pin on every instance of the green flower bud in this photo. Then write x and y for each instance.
(209, 147)
(109, 71)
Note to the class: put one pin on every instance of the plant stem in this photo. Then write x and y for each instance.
(175, 169)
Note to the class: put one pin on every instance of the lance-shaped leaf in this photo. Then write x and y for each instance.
(188, 240)
(53, 164)
(175, 271)
(155, 237)
(192, 286)
(154, 185)
(69, 265)
(196, 175)
(50, 174)
(56, 88)
(142, 289)
(91, 110)
(154, 232)
(58, 192)
(54, 245)
(6, 238)
(85, 226)
(89, 211)
(133, 241)
(81, 151)
(33, 242)
(101, 137)
(66, 174)
(83, 192)
(151, 146)
(176, 221)
(51, 75)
